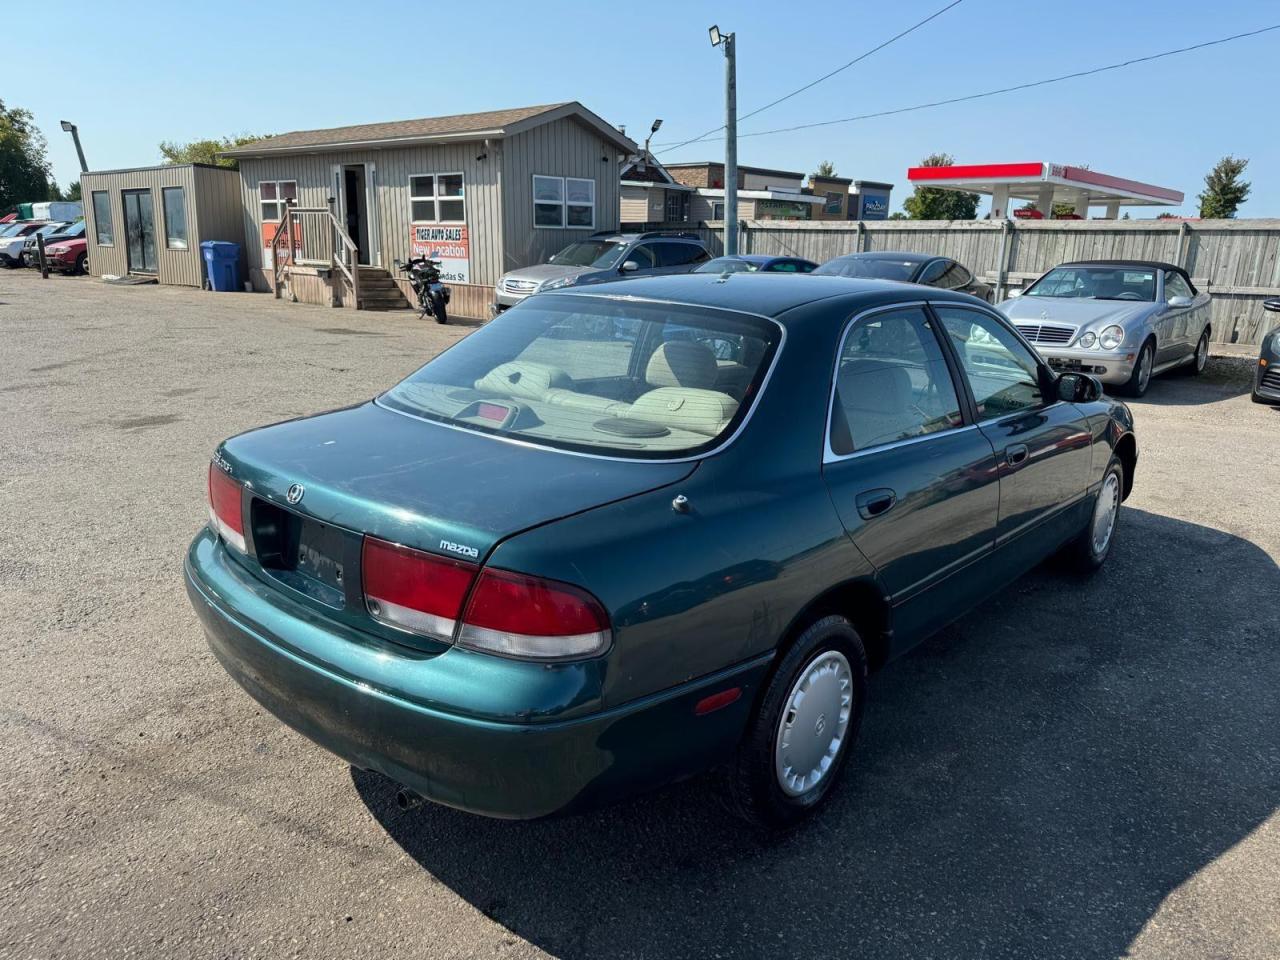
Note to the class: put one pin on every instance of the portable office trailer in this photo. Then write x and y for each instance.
(483, 193)
(150, 221)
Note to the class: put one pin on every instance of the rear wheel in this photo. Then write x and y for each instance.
(1089, 551)
(437, 307)
(804, 728)
(1140, 379)
(1200, 358)
(82, 264)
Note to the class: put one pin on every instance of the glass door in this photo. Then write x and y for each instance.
(140, 230)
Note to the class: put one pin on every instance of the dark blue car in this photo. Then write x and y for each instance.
(756, 263)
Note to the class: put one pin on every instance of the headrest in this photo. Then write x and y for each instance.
(682, 363)
(684, 408)
(520, 378)
(874, 386)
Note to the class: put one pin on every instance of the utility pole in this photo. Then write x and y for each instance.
(730, 139)
(72, 129)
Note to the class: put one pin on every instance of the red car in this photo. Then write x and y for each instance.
(69, 256)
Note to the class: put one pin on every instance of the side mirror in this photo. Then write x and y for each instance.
(630, 266)
(1078, 388)
(1179, 301)
(1273, 304)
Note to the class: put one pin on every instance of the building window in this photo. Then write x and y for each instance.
(564, 202)
(717, 210)
(175, 218)
(437, 198)
(274, 196)
(102, 218)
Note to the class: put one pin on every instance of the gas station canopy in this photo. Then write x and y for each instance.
(1045, 184)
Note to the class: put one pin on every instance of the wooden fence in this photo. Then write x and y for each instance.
(1237, 261)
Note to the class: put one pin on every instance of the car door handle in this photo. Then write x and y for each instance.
(1016, 454)
(874, 503)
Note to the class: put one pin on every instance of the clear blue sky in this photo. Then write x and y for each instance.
(130, 78)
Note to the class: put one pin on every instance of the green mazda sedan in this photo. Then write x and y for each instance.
(624, 534)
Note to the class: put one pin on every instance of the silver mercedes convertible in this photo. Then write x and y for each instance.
(1122, 321)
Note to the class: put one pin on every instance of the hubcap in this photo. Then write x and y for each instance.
(1202, 353)
(1144, 368)
(815, 721)
(1104, 513)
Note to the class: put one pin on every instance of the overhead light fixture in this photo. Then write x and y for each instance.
(67, 126)
(657, 123)
(716, 39)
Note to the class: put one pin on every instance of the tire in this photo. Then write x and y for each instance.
(829, 662)
(1137, 384)
(1200, 357)
(1088, 552)
(437, 307)
(82, 265)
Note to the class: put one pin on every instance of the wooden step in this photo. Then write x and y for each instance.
(382, 299)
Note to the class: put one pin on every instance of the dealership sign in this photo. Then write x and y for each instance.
(449, 244)
(286, 255)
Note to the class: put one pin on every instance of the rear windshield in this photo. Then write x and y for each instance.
(1096, 283)
(869, 268)
(589, 253)
(727, 265)
(649, 381)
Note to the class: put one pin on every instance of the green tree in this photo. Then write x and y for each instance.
(204, 151)
(24, 166)
(930, 203)
(825, 169)
(1059, 209)
(73, 191)
(1224, 191)
(898, 215)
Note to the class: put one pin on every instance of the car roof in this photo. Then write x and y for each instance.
(905, 255)
(1154, 264)
(764, 294)
(653, 235)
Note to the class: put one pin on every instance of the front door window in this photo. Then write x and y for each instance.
(1003, 374)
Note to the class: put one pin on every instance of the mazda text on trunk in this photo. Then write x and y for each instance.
(624, 534)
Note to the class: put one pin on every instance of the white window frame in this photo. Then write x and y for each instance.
(435, 200)
(186, 223)
(563, 203)
(279, 201)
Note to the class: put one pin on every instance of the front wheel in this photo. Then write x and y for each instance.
(1140, 379)
(82, 264)
(804, 728)
(437, 308)
(1089, 551)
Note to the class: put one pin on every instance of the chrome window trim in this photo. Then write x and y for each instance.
(718, 448)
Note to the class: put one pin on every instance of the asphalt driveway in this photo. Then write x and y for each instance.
(1077, 769)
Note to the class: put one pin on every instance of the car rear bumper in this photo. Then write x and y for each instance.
(300, 669)
(1113, 368)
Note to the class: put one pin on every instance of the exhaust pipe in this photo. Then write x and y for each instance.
(407, 799)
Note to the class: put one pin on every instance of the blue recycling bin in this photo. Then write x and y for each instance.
(222, 264)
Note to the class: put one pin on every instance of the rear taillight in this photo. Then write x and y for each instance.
(413, 590)
(226, 513)
(521, 616)
(511, 614)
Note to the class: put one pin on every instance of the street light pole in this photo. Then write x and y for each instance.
(72, 129)
(730, 138)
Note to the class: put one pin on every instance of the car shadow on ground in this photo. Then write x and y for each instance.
(1221, 380)
(1035, 779)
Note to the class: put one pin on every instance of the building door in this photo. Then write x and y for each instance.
(140, 230)
(354, 213)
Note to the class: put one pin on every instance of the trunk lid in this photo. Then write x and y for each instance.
(409, 481)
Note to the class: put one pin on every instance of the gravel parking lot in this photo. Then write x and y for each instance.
(1077, 769)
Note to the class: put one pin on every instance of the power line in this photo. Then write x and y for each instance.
(1016, 87)
(825, 76)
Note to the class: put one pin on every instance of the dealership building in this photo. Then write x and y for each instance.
(481, 192)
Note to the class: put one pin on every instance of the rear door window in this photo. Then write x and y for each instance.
(892, 383)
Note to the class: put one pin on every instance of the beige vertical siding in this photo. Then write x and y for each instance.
(394, 167)
(172, 266)
(214, 211)
(562, 148)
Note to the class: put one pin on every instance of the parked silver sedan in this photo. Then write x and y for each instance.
(1123, 321)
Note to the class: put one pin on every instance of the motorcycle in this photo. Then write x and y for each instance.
(424, 276)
